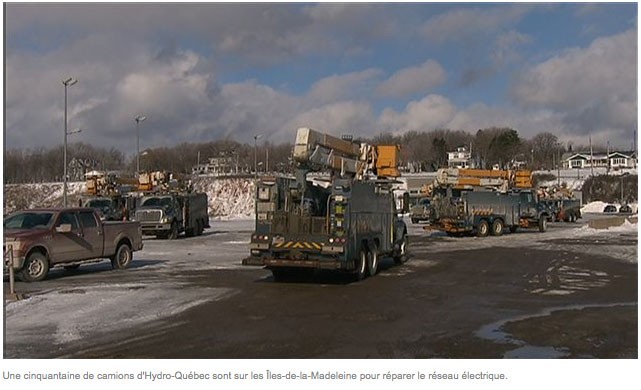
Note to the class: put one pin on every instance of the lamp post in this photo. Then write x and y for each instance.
(67, 83)
(256, 137)
(138, 119)
(622, 177)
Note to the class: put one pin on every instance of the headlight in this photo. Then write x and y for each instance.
(165, 220)
(16, 245)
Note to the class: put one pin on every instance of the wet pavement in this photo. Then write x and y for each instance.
(568, 293)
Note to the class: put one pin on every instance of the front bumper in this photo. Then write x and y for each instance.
(153, 228)
(18, 261)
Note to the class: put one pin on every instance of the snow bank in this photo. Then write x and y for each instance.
(228, 198)
(598, 207)
(594, 207)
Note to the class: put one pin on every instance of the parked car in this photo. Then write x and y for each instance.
(610, 209)
(626, 209)
(420, 212)
(44, 238)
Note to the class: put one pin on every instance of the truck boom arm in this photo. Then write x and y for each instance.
(315, 151)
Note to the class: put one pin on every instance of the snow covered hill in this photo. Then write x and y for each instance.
(228, 198)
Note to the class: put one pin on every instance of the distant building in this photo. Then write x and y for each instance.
(613, 160)
(461, 158)
(217, 166)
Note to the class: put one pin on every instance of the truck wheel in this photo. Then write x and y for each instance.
(122, 258)
(543, 224)
(189, 232)
(513, 228)
(497, 227)
(361, 264)
(414, 220)
(35, 268)
(280, 274)
(173, 233)
(401, 257)
(483, 229)
(372, 260)
(201, 228)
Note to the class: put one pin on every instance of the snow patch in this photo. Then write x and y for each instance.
(107, 308)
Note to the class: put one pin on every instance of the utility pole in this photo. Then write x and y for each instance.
(67, 83)
(138, 119)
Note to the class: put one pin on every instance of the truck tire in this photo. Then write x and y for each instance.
(201, 228)
(372, 260)
(401, 256)
(543, 224)
(173, 233)
(361, 264)
(189, 232)
(513, 228)
(35, 268)
(414, 220)
(497, 227)
(280, 274)
(122, 258)
(483, 229)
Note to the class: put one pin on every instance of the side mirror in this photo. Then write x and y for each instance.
(64, 228)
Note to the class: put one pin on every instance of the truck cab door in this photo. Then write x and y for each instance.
(92, 233)
(68, 245)
(528, 205)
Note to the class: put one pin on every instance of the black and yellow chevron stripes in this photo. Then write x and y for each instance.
(482, 211)
(298, 245)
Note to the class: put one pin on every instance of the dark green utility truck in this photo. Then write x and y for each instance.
(345, 220)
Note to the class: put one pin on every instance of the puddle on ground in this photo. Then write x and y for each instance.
(494, 332)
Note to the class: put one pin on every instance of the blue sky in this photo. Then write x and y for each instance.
(204, 71)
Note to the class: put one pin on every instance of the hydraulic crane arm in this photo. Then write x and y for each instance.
(315, 151)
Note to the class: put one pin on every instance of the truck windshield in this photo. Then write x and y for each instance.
(155, 201)
(28, 220)
(99, 203)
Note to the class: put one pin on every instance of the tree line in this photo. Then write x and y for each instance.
(420, 151)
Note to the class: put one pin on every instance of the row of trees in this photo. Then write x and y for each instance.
(426, 151)
(491, 146)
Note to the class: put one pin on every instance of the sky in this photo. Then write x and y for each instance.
(204, 71)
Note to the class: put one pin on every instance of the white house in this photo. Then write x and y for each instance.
(614, 160)
(461, 158)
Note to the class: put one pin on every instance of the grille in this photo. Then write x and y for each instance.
(148, 215)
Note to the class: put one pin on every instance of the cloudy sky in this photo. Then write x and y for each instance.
(205, 71)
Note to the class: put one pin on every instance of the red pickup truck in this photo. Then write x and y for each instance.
(44, 238)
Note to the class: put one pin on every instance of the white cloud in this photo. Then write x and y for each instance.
(429, 113)
(594, 87)
(465, 23)
(505, 46)
(413, 80)
(349, 117)
(339, 87)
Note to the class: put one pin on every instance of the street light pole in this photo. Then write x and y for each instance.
(622, 177)
(256, 137)
(67, 83)
(138, 119)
